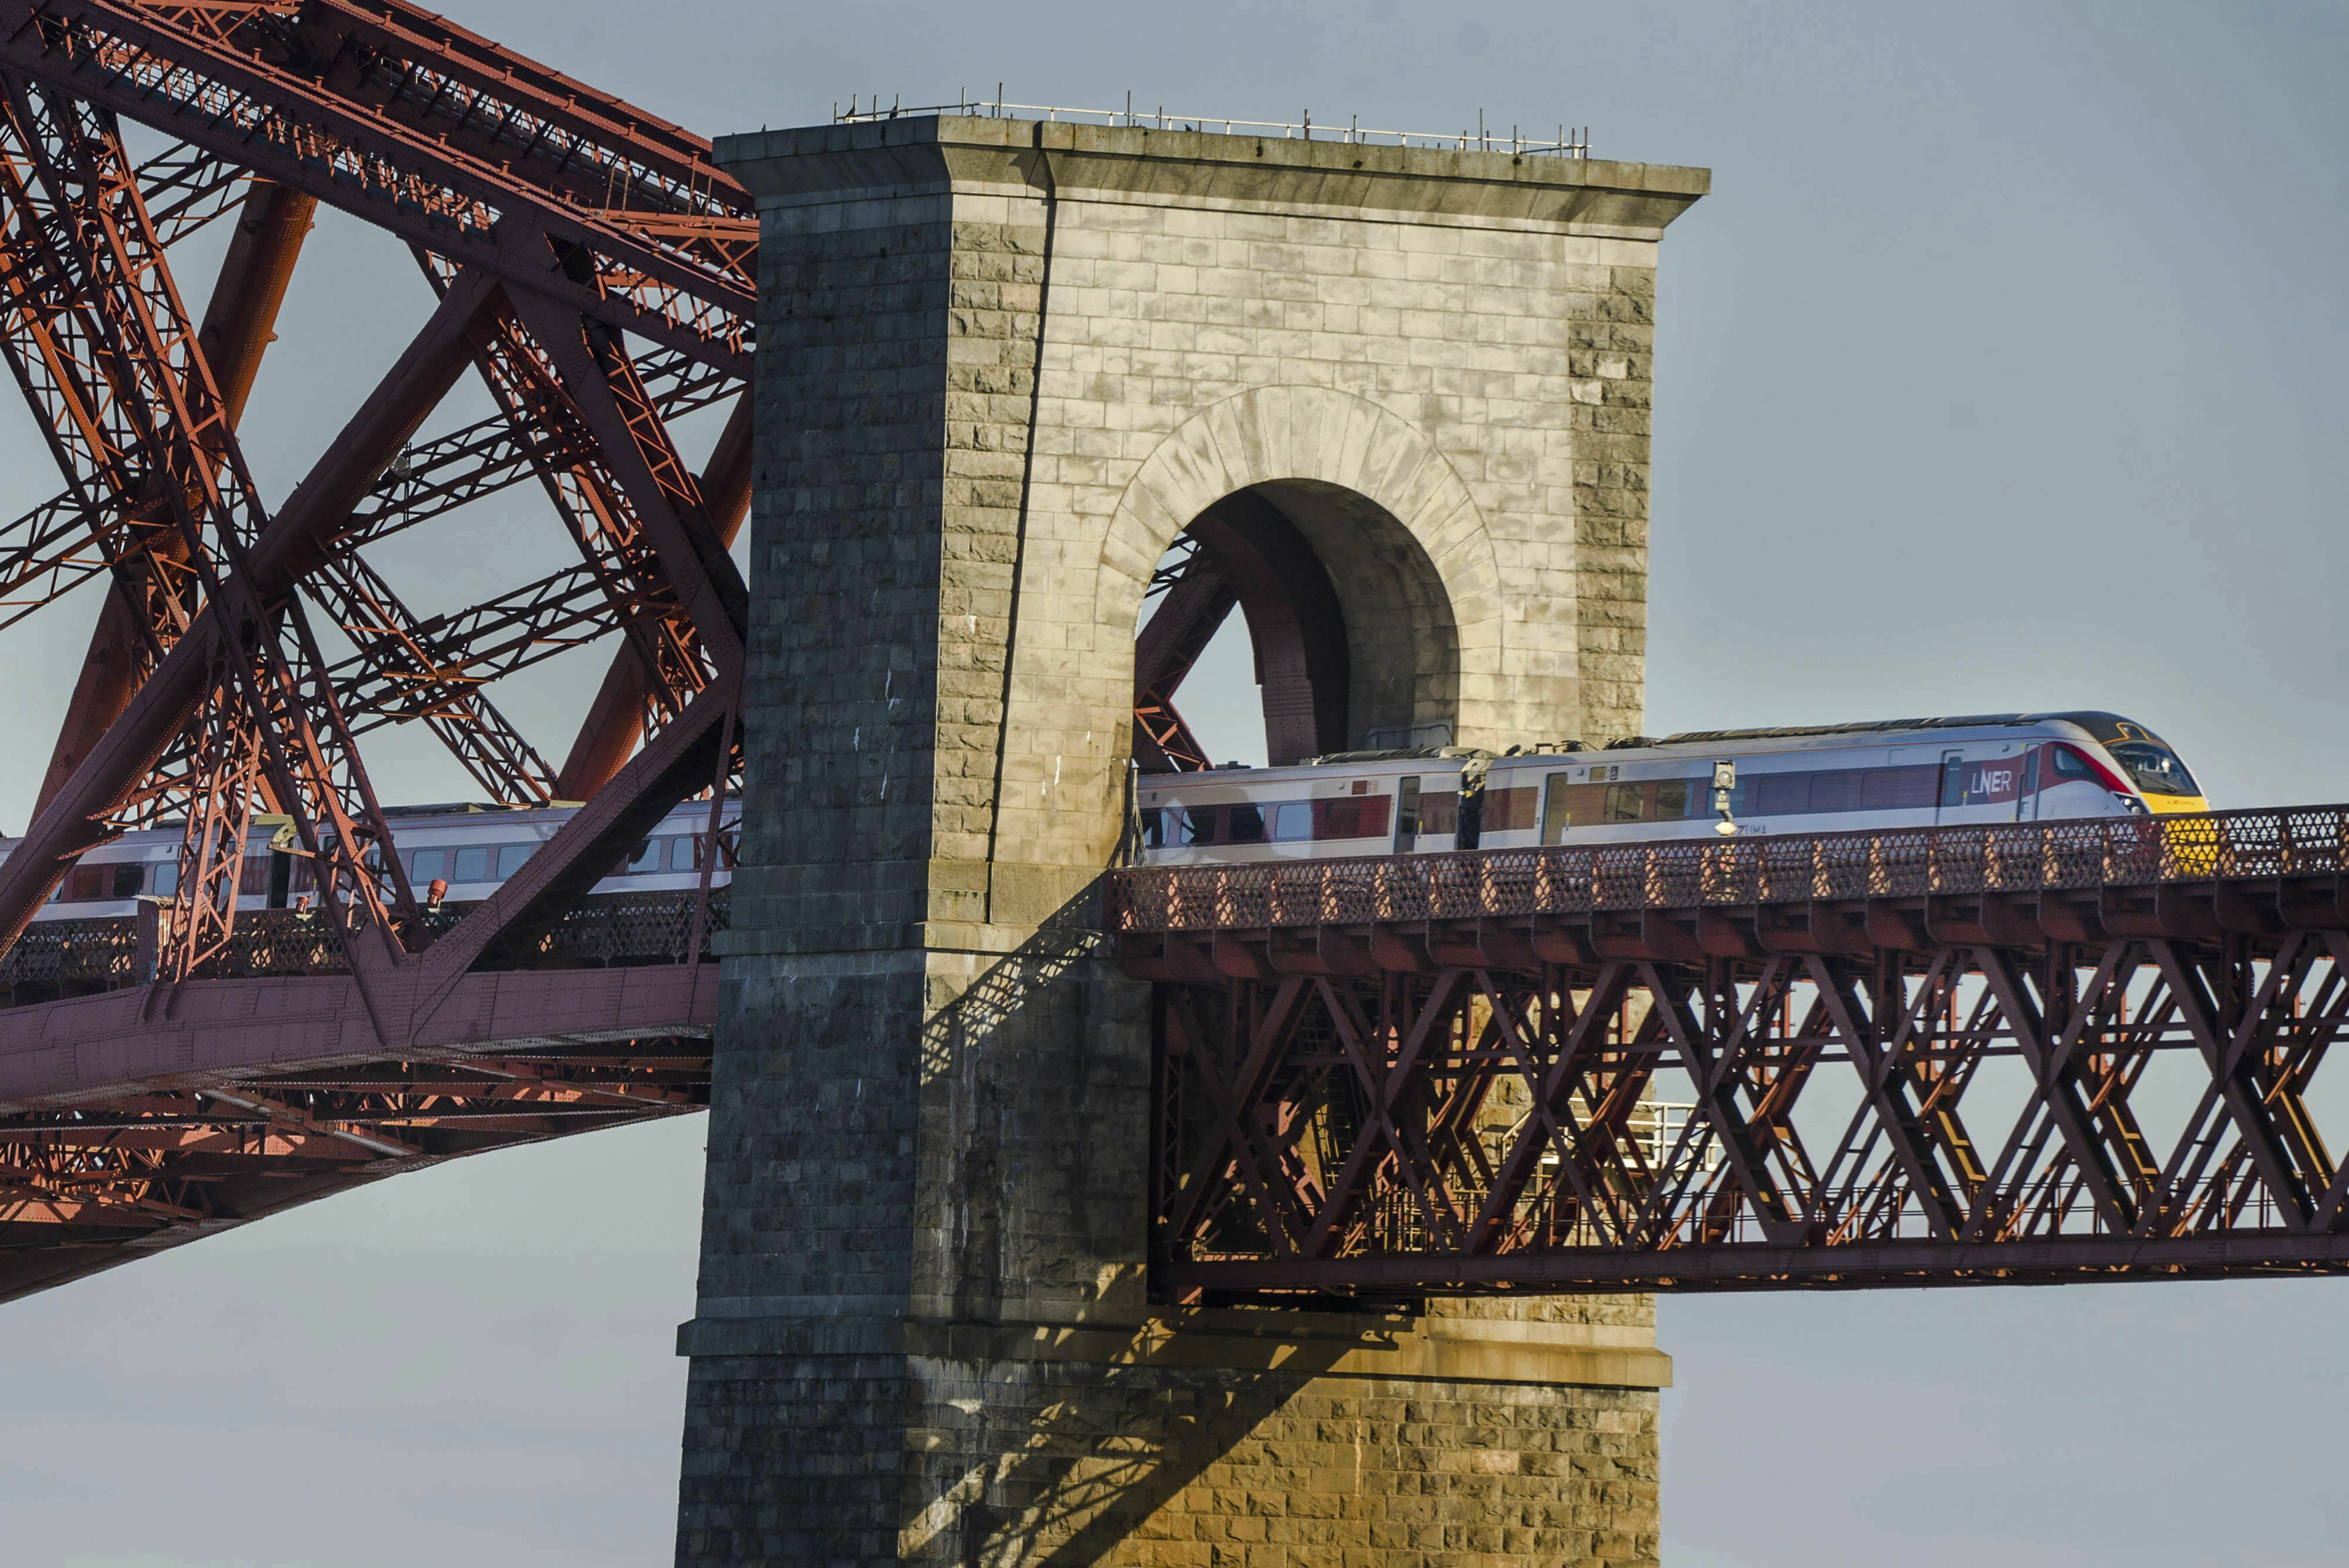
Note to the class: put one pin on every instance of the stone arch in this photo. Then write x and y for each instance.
(1391, 520)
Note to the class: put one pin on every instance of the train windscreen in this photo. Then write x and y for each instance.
(2155, 769)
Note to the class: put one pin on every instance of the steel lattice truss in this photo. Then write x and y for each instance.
(595, 271)
(90, 1184)
(2081, 1051)
(559, 228)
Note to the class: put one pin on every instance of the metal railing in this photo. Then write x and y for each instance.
(1571, 142)
(2075, 854)
(609, 930)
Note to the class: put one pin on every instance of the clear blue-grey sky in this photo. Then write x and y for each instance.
(2004, 369)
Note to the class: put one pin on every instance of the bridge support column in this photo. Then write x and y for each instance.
(1001, 366)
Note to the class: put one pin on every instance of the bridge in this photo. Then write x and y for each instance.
(594, 269)
(1055, 1214)
(1442, 1072)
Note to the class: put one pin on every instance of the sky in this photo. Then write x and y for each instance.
(2003, 369)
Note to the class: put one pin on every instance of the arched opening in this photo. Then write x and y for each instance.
(1353, 636)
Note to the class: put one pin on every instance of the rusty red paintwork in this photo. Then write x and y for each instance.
(2045, 1052)
(551, 218)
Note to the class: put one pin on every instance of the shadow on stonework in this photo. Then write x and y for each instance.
(1053, 1463)
(1102, 1449)
(1035, 1105)
(986, 1009)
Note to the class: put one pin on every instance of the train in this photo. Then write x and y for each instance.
(470, 849)
(1919, 772)
(1823, 778)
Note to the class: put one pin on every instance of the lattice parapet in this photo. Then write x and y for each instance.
(614, 929)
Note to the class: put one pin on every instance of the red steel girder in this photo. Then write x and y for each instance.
(475, 153)
(111, 1177)
(239, 325)
(553, 220)
(627, 701)
(1194, 596)
(1329, 1134)
(266, 720)
(2049, 1051)
(1242, 552)
(298, 538)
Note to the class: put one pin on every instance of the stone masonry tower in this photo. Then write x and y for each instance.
(1002, 367)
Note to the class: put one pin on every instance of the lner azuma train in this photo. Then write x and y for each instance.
(1919, 772)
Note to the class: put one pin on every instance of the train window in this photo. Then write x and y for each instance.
(254, 877)
(428, 865)
(2069, 763)
(1778, 794)
(1835, 791)
(167, 879)
(2155, 769)
(1626, 803)
(727, 847)
(1676, 800)
(129, 881)
(85, 884)
(645, 858)
(1351, 817)
(1154, 828)
(1292, 821)
(472, 863)
(1246, 824)
(511, 858)
(1898, 789)
(1508, 810)
(1199, 824)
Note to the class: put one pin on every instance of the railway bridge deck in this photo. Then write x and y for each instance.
(137, 1113)
(2062, 1050)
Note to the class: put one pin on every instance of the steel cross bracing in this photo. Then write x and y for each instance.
(104, 1180)
(597, 272)
(1242, 553)
(2063, 1051)
(435, 134)
(373, 108)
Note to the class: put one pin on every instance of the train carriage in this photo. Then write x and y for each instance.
(470, 849)
(1983, 768)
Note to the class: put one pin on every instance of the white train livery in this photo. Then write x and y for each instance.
(1828, 778)
(472, 848)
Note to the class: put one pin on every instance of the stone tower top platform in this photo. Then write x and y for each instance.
(1584, 196)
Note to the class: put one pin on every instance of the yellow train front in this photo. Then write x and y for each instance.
(1983, 768)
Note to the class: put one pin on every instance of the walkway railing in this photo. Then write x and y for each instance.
(615, 930)
(1570, 141)
(2075, 854)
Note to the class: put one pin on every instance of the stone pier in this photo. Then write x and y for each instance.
(1002, 367)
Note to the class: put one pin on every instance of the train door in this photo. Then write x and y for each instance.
(2027, 804)
(1556, 812)
(1407, 815)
